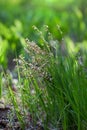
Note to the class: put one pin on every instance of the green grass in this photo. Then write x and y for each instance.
(53, 88)
(1, 84)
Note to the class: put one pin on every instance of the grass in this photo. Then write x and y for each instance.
(1, 85)
(52, 88)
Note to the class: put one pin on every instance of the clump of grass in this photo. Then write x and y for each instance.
(53, 88)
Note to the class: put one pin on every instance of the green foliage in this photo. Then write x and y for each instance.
(52, 71)
(10, 41)
(18, 17)
(1, 75)
(54, 85)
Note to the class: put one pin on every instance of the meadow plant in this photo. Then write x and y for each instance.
(53, 88)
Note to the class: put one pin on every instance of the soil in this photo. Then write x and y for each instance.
(6, 124)
(5, 120)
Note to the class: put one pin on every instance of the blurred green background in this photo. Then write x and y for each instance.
(18, 16)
